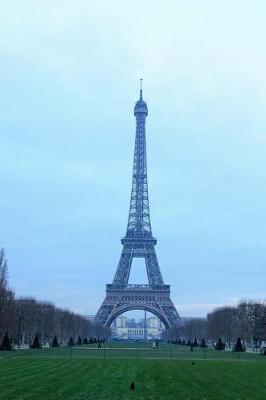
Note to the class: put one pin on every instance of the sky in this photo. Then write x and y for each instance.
(69, 79)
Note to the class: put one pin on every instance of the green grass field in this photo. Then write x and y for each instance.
(51, 374)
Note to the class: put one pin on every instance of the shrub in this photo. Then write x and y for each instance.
(6, 343)
(238, 346)
(220, 345)
(71, 342)
(55, 342)
(85, 340)
(79, 342)
(36, 343)
(203, 344)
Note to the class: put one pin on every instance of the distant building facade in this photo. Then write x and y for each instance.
(125, 328)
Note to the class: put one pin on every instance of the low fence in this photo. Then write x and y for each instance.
(133, 352)
(164, 353)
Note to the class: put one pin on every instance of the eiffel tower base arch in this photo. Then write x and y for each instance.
(138, 297)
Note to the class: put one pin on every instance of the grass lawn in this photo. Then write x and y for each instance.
(52, 375)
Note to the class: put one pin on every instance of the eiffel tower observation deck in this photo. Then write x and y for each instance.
(138, 242)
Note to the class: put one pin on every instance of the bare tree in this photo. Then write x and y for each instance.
(3, 269)
(25, 317)
(6, 296)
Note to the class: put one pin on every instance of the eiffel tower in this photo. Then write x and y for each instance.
(138, 242)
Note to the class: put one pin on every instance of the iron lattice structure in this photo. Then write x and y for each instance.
(138, 242)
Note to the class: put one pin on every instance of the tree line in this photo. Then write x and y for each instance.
(25, 317)
(247, 321)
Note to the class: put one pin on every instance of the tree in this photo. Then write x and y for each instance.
(6, 344)
(220, 345)
(239, 347)
(85, 340)
(203, 344)
(3, 269)
(23, 317)
(221, 323)
(193, 327)
(79, 342)
(3, 289)
(55, 342)
(7, 302)
(251, 316)
(71, 342)
(36, 343)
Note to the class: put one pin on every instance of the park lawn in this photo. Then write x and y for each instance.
(26, 378)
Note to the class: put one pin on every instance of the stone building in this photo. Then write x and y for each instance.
(125, 328)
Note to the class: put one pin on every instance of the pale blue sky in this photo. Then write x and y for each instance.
(69, 79)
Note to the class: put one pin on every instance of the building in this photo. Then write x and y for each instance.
(125, 329)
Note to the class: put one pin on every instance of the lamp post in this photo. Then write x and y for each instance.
(212, 330)
(62, 329)
(145, 325)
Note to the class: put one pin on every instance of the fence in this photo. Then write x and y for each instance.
(133, 352)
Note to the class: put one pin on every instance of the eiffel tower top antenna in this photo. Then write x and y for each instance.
(140, 82)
